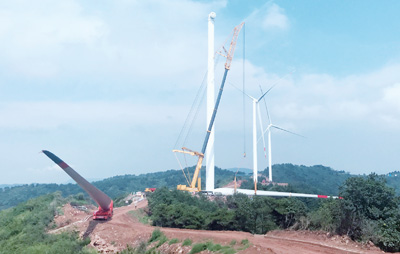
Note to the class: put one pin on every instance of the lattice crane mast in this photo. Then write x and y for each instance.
(196, 180)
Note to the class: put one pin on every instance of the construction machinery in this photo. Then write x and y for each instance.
(195, 185)
(102, 214)
(104, 202)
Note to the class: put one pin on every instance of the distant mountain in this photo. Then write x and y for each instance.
(316, 179)
(393, 180)
(8, 185)
(241, 170)
(114, 187)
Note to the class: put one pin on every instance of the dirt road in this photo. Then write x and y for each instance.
(114, 235)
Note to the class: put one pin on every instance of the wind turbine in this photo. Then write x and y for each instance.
(255, 107)
(269, 127)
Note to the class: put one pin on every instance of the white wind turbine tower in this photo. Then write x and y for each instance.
(270, 126)
(256, 108)
(256, 112)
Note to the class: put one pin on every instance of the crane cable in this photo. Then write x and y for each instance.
(244, 91)
(179, 162)
(244, 104)
(194, 111)
(186, 129)
(187, 168)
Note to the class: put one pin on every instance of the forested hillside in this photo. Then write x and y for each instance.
(308, 179)
(393, 180)
(316, 179)
(114, 187)
(23, 229)
(369, 211)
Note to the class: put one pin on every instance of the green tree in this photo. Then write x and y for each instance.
(370, 211)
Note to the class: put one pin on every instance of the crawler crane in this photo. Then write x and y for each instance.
(196, 180)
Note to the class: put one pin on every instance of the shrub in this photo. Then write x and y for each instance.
(214, 247)
(155, 235)
(174, 240)
(162, 239)
(198, 247)
(187, 242)
(244, 242)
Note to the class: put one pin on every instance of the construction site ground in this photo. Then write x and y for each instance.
(124, 229)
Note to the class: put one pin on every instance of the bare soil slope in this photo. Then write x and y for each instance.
(123, 229)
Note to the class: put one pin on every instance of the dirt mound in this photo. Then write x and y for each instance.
(125, 229)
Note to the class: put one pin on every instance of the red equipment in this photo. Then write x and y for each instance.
(103, 214)
(105, 203)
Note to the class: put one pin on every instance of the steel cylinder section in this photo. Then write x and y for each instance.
(97, 195)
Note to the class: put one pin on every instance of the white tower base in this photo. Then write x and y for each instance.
(210, 164)
(255, 166)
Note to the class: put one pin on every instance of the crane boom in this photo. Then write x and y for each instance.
(231, 51)
(229, 57)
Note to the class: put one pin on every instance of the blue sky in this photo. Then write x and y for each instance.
(107, 85)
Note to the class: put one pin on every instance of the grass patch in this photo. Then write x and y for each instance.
(214, 247)
(161, 240)
(245, 244)
(155, 236)
(227, 250)
(210, 246)
(174, 240)
(187, 242)
(198, 247)
(159, 236)
(59, 210)
(233, 242)
(141, 216)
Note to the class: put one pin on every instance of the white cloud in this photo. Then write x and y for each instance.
(314, 99)
(34, 36)
(391, 96)
(133, 39)
(54, 114)
(275, 18)
(136, 65)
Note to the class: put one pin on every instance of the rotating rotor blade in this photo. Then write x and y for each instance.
(263, 132)
(262, 96)
(279, 128)
(261, 127)
(266, 108)
(240, 90)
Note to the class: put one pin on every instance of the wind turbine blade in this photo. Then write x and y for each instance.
(261, 127)
(266, 108)
(279, 128)
(269, 126)
(276, 82)
(262, 96)
(240, 90)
